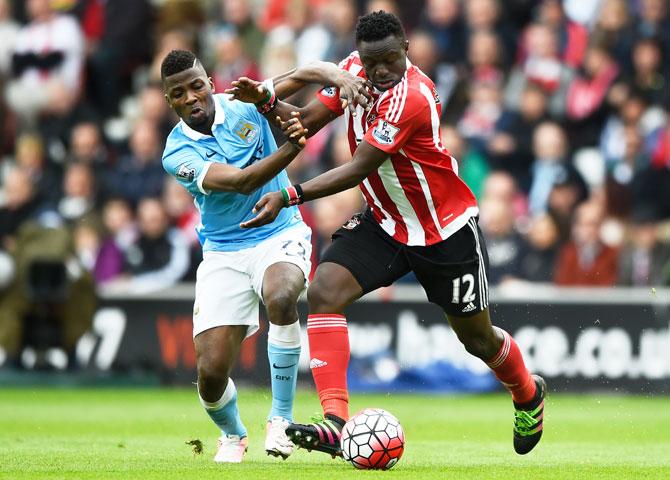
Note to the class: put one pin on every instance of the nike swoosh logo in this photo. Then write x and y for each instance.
(274, 365)
(210, 154)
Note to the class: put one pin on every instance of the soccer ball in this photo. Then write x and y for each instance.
(372, 439)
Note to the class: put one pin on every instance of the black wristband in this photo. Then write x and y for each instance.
(298, 190)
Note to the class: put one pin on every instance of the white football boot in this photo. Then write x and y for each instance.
(231, 449)
(277, 443)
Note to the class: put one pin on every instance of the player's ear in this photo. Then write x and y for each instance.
(167, 99)
(406, 46)
(211, 84)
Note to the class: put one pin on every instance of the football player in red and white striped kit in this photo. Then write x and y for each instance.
(421, 217)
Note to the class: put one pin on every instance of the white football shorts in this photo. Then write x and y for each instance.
(229, 285)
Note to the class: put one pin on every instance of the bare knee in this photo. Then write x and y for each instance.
(324, 299)
(483, 346)
(212, 379)
(281, 308)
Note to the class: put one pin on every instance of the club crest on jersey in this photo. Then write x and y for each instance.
(186, 173)
(352, 223)
(247, 131)
(384, 132)
(329, 92)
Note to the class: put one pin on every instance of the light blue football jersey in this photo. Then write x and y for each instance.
(241, 136)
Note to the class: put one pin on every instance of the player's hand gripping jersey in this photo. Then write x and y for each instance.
(416, 196)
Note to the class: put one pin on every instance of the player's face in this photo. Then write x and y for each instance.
(385, 61)
(189, 94)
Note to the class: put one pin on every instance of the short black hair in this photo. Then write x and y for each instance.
(177, 61)
(377, 26)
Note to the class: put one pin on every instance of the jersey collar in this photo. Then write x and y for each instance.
(219, 118)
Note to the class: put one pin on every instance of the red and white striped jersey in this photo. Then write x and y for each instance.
(416, 195)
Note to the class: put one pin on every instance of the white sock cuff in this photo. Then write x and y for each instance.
(226, 397)
(286, 336)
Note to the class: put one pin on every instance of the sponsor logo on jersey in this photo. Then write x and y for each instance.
(385, 133)
(329, 92)
(316, 363)
(186, 173)
(247, 131)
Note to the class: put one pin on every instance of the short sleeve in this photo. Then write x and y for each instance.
(330, 97)
(400, 114)
(189, 168)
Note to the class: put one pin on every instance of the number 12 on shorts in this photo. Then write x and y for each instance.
(468, 281)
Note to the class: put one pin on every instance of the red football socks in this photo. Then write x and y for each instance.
(510, 369)
(329, 358)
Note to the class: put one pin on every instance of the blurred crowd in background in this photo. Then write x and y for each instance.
(557, 111)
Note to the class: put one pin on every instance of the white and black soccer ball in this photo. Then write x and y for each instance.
(372, 439)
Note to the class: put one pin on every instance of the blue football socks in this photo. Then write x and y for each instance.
(283, 356)
(224, 412)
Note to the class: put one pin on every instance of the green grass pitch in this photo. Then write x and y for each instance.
(141, 434)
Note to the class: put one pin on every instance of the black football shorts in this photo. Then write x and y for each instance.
(452, 272)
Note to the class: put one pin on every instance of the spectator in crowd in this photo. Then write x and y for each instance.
(503, 243)
(487, 15)
(139, 173)
(154, 108)
(585, 260)
(46, 64)
(120, 233)
(653, 21)
(238, 14)
(644, 260)
(623, 168)
(482, 113)
(8, 32)
(184, 217)
(423, 54)
(87, 146)
(542, 67)
(568, 190)
(550, 146)
(586, 107)
(231, 61)
(572, 37)
(78, 203)
(159, 257)
(511, 147)
(125, 42)
(539, 256)
(340, 19)
(614, 30)
(442, 19)
(648, 75)
(31, 157)
(473, 167)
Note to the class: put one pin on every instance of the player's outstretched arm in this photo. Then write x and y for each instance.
(366, 160)
(223, 177)
(314, 116)
(353, 90)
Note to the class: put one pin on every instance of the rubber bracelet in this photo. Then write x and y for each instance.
(268, 106)
(285, 195)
